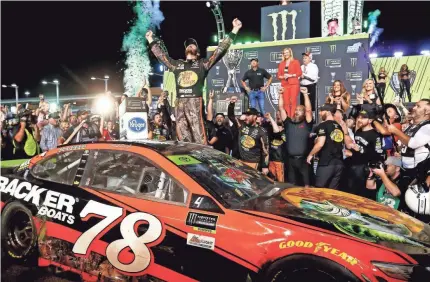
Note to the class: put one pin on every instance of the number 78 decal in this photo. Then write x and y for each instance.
(142, 256)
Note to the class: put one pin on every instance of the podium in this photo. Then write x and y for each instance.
(133, 119)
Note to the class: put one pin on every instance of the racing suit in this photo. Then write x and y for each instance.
(190, 77)
(252, 142)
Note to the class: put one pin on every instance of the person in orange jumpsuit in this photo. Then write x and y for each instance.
(289, 72)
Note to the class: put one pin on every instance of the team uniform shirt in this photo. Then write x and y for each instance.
(190, 75)
(332, 151)
(384, 196)
(223, 134)
(297, 136)
(370, 147)
(109, 136)
(309, 71)
(256, 77)
(252, 140)
(418, 147)
(159, 133)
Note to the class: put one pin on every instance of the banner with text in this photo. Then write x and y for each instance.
(285, 22)
(337, 58)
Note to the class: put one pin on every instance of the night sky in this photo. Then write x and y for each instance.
(72, 41)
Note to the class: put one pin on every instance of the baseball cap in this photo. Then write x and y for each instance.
(190, 41)
(309, 54)
(82, 112)
(252, 112)
(54, 115)
(367, 114)
(219, 114)
(328, 107)
(396, 161)
(254, 59)
(395, 108)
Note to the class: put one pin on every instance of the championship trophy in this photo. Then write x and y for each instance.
(353, 87)
(395, 84)
(231, 61)
(332, 76)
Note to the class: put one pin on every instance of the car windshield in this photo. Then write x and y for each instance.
(229, 178)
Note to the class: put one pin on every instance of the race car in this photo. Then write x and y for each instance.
(172, 211)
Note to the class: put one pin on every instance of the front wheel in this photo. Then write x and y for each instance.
(300, 268)
(18, 232)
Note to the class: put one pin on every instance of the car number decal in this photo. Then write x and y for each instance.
(111, 214)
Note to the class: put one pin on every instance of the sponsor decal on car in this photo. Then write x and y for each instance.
(183, 160)
(202, 222)
(72, 148)
(319, 247)
(201, 241)
(55, 205)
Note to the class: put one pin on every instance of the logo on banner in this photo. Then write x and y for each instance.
(314, 50)
(217, 70)
(354, 48)
(333, 49)
(328, 89)
(333, 63)
(354, 62)
(284, 20)
(333, 76)
(354, 76)
(218, 82)
(275, 57)
(272, 71)
(137, 124)
(251, 55)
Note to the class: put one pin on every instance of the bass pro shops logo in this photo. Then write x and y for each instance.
(284, 20)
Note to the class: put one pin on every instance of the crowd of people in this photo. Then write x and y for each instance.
(365, 149)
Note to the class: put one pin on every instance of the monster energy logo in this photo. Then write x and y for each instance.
(354, 62)
(283, 15)
(333, 48)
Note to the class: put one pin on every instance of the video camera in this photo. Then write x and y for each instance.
(27, 116)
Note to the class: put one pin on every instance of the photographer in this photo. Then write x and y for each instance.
(25, 136)
(386, 183)
(367, 149)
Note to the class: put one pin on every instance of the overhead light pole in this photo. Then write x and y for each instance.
(106, 79)
(57, 88)
(13, 85)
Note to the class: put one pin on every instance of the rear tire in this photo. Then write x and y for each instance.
(301, 268)
(18, 234)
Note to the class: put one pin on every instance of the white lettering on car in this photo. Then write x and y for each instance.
(56, 205)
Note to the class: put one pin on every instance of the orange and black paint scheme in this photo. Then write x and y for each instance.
(103, 234)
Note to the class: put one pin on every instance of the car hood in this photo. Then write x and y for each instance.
(349, 214)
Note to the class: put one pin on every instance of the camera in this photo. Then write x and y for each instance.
(373, 165)
(27, 116)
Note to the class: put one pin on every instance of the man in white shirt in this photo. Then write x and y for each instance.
(309, 78)
(416, 138)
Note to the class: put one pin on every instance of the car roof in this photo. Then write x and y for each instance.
(177, 147)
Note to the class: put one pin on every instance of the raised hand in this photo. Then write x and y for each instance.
(233, 99)
(304, 90)
(237, 24)
(211, 94)
(267, 116)
(149, 36)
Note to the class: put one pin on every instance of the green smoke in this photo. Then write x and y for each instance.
(147, 16)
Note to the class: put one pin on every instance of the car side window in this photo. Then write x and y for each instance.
(130, 174)
(59, 168)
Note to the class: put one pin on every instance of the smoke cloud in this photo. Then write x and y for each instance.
(374, 30)
(147, 16)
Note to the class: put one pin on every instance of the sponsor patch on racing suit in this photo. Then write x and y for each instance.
(190, 77)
